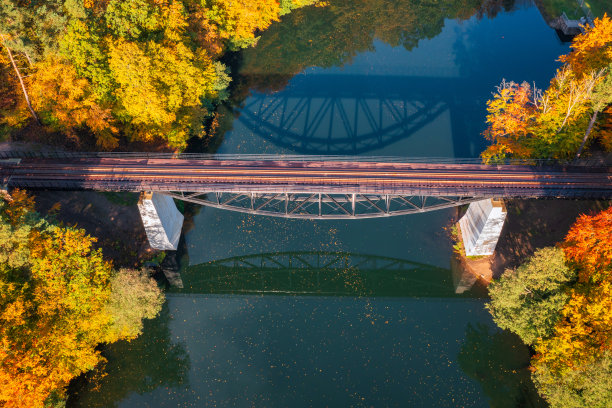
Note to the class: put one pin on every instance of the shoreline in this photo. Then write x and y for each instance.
(530, 224)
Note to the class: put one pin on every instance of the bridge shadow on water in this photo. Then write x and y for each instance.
(322, 274)
(354, 114)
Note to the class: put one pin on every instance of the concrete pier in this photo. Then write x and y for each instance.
(481, 226)
(161, 220)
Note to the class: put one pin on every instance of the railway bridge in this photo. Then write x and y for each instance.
(310, 187)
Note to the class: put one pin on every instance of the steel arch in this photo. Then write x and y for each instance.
(321, 205)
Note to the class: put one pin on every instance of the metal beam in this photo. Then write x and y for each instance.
(315, 206)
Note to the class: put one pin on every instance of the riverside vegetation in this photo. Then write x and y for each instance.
(59, 299)
(557, 123)
(559, 302)
(142, 70)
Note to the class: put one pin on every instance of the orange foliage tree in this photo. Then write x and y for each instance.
(55, 305)
(511, 113)
(582, 340)
(559, 119)
(588, 246)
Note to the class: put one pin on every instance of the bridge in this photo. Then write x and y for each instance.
(307, 187)
(329, 187)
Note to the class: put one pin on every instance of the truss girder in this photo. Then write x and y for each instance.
(321, 205)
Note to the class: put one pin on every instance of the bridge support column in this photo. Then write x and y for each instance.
(161, 220)
(481, 226)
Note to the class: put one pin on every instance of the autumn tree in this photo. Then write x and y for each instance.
(56, 305)
(147, 69)
(66, 102)
(524, 122)
(591, 50)
(511, 114)
(14, 113)
(528, 300)
(583, 334)
(587, 386)
(588, 246)
(568, 323)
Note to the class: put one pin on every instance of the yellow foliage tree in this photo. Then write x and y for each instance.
(583, 333)
(66, 102)
(237, 21)
(591, 50)
(55, 306)
(160, 88)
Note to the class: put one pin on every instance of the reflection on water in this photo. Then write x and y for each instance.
(319, 273)
(152, 361)
(345, 114)
(499, 361)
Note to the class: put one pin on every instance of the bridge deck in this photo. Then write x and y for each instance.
(287, 176)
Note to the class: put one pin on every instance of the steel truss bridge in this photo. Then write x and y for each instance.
(314, 187)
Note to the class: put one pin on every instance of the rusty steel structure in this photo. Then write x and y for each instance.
(305, 186)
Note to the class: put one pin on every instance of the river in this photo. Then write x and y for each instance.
(280, 312)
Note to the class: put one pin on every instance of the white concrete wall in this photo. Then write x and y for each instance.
(481, 227)
(162, 221)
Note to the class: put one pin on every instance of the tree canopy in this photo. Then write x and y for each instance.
(560, 302)
(527, 301)
(525, 122)
(58, 301)
(139, 69)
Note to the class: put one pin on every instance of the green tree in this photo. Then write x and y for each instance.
(588, 386)
(528, 300)
(134, 297)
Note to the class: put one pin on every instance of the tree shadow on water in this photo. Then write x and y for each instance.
(146, 363)
(499, 361)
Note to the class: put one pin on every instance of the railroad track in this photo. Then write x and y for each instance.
(287, 176)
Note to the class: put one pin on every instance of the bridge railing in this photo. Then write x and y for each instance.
(52, 154)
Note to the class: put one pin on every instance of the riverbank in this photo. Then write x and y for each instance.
(112, 218)
(530, 225)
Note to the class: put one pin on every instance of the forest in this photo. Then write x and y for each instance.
(137, 70)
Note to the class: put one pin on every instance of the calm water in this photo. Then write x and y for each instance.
(279, 313)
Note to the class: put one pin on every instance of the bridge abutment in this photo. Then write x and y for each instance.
(161, 219)
(481, 226)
